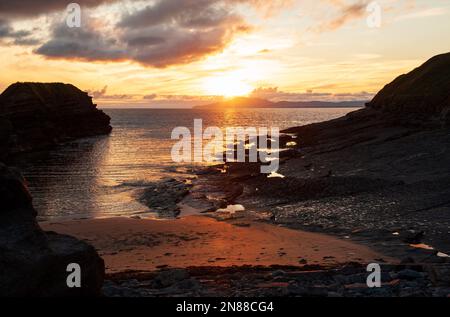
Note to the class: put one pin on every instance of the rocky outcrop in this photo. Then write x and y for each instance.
(34, 116)
(421, 95)
(34, 262)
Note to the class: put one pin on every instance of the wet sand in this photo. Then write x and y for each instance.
(193, 241)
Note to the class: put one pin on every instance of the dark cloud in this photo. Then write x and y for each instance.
(21, 37)
(178, 32)
(5, 28)
(81, 43)
(168, 32)
(32, 8)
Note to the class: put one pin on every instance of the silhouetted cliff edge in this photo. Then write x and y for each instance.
(421, 95)
(412, 102)
(34, 116)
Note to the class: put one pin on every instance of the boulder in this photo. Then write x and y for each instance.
(34, 262)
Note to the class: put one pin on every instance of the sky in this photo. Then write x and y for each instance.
(182, 53)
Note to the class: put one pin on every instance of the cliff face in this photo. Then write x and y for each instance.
(34, 116)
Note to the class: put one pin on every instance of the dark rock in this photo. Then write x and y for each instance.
(296, 290)
(33, 262)
(163, 196)
(407, 260)
(422, 94)
(189, 284)
(35, 116)
(408, 274)
(414, 237)
(278, 273)
(170, 277)
(440, 274)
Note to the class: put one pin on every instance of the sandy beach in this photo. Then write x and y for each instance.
(193, 241)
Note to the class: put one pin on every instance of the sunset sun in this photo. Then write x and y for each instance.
(227, 86)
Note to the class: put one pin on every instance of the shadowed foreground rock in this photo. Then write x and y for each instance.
(33, 262)
(35, 116)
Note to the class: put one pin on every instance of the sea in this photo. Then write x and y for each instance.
(102, 176)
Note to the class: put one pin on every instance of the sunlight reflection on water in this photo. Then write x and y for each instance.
(101, 176)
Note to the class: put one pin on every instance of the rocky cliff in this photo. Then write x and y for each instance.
(35, 116)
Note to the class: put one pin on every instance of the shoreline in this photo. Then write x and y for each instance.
(195, 241)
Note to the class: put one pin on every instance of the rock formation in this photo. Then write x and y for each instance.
(35, 116)
(34, 262)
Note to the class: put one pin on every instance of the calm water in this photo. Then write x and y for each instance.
(100, 177)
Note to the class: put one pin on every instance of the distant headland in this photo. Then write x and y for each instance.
(250, 102)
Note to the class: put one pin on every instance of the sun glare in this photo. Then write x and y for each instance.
(227, 86)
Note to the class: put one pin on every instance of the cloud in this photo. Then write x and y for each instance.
(20, 37)
(33, 8)
(171, 32)
(346, 13)
(151, 100)
(81, 43)
(165, 33)
(150, 96)
(274, 94)
(98, 93)
(102, 95)
(424, 13)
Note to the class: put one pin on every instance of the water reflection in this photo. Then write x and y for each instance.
(99, 177)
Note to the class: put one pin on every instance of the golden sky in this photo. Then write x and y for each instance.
(179, 53)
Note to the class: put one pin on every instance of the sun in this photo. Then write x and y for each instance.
(227, 86)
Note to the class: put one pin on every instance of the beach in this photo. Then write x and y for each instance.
(147, 245)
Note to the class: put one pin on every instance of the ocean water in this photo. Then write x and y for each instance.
(102, 176)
